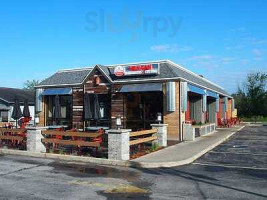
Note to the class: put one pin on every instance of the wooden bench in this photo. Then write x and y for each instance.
(144, 139)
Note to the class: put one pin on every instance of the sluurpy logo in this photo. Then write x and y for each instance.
(132, 22)
(119, 71)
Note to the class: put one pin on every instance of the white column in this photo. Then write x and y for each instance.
(34, 140)
(119, 144)
(189, 132)
(161, 134)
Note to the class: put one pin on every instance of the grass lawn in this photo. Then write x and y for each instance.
(253, 119)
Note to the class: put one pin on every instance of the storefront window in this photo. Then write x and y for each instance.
(4, 116)
(66, 110)
(104, 103)
(104, 109)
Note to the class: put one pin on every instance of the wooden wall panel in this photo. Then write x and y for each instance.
(41, 114)
(229, 109)
(77, 107)
(103, 87)
(172, 118)
(118, 108)
(220, 113)
(187, 113)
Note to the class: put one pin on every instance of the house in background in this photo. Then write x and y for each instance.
(7, 97)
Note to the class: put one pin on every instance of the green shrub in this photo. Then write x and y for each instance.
(154, 147)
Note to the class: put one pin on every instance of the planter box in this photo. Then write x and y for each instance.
(188, 132)
(204, 129)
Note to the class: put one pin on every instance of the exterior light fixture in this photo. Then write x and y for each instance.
(96, 80)
(118, 122)
(159, 117)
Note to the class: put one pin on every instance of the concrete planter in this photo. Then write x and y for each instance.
(204, 129)
(190, 132)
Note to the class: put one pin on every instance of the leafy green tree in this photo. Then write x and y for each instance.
(251, 99)
(30, 84)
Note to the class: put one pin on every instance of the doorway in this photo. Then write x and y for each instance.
(142, 109)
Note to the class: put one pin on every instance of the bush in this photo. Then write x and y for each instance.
(154, 147)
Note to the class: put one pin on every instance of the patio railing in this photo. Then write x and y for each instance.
(71, 141)
(13, 138)
(144, 136)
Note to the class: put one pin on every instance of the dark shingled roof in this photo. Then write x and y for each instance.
(66, 77)
(168, 69)
(8, 95)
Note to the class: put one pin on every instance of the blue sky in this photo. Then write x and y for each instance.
(222, 40)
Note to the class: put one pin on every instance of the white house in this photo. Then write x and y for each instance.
(7, 97)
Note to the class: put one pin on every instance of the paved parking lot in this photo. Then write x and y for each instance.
(236, 169)
(247, 148)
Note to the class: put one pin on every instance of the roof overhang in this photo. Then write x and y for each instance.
(169, 79)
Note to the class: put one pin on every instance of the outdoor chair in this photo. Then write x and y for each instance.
(59, 137)
(229, 123)
(221, 123)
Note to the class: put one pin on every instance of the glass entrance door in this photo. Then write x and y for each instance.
(142, 109)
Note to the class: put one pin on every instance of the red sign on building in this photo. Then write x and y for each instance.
(131, 70)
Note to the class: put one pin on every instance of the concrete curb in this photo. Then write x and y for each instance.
(102, 161)
(185, 161)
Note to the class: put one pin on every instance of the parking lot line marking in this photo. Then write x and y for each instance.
(229, 166)
(225, 152)
(242, 139)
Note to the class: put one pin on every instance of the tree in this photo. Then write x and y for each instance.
(29, 84)
(251, 99)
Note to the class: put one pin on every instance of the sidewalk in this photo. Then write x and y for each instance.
(179, 154)
(185, 152)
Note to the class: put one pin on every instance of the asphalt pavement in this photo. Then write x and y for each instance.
(236, 169)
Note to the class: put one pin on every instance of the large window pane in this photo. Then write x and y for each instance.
(4, 116)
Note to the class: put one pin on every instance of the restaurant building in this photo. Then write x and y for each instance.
(139, 94)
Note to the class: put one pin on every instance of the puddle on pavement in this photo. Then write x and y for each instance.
(76, 170)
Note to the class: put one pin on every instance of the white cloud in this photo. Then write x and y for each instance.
(257, 52)
(239, 29)
(234, 47)
(255, 41)
(260, 42)
(172, 48)
(227, 60)
(244, 61)
(186, 48)
(258, 58)
(202, 57)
